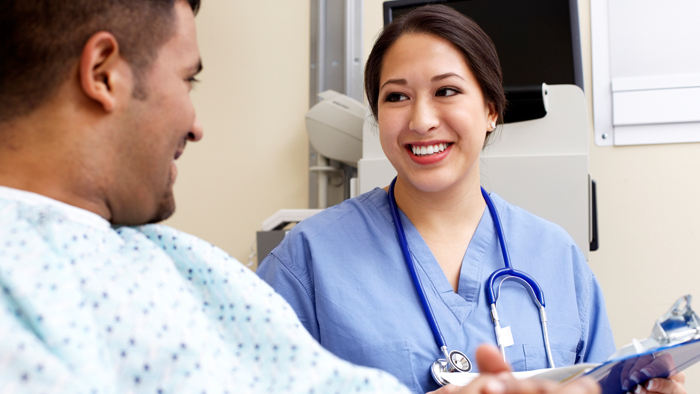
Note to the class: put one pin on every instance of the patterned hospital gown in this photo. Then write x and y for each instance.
(88, 308)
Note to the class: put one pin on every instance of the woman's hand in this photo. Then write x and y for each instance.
(496, 378)
(647, 366)
(673, 385)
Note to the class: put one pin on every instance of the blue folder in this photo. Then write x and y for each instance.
(673, 346)
(621, 375)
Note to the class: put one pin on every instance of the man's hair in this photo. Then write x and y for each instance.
(42, 40)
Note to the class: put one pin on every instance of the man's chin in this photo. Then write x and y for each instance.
(165, 209)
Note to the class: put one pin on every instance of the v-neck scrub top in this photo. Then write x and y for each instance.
(344, 274)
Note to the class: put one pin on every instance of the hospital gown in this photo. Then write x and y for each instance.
(87, 308)
(344, 273)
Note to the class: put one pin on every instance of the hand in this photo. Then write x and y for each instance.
(495, 378)
(647, 366)
(673, 385)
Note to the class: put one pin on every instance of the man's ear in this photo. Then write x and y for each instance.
(101, 69)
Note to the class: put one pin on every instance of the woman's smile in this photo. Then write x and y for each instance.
(426, 154)
(432, 114)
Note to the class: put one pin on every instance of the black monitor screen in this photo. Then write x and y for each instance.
(537, 40)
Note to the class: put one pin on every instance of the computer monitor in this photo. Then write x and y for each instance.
(537, 41)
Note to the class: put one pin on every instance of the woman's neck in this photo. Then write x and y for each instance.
(448, 209)
(446, 220)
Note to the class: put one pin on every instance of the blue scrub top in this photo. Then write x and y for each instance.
(343, 272)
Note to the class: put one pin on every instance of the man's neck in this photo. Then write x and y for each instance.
(38, 155)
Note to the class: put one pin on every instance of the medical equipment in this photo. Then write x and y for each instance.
(456, 361)
(334, 125)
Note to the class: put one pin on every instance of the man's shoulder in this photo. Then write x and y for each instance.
(183, 247)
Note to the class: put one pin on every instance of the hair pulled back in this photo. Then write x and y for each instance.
(444, 22)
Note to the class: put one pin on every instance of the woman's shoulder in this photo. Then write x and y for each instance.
(340, 226)
(528, 225)
(361, 211)
(547, 243)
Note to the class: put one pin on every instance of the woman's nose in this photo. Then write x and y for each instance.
(424, 117)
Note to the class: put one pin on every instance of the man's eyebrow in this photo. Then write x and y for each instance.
(396, 81)
(444, 76)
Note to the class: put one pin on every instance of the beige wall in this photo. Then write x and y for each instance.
(253, 159)
(251, 102)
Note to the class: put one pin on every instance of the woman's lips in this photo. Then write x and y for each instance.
(426, 154)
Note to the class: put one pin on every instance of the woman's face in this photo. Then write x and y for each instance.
(432, 115)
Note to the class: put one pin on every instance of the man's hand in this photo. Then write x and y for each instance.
(495, 378)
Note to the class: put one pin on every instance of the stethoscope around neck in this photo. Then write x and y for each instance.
(456, 361)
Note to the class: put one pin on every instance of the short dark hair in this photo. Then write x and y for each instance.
(41, 40)
(444, 22)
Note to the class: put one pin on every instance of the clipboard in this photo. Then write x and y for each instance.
(673, 346)
(621, 375)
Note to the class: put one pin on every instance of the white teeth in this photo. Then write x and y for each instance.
(428, 150)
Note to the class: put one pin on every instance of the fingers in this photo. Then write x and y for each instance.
(504, 383)
(679, 377)
(490, 360)
(579, 386)
(638, 372)
(449, 389)
(487, 384)
(661, 386)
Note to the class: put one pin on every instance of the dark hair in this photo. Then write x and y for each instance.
(444, 22)
(41, 40)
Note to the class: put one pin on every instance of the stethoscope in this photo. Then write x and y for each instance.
(456, 361)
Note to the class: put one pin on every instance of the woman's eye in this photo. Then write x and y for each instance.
(445, 92)
(396, 97)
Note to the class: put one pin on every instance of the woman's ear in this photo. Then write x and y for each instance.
(101, 69)
(491, 117)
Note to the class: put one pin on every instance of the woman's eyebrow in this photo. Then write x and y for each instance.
(433, 79)
(444, 76)
(396, 81)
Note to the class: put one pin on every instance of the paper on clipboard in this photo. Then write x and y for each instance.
(615, 376)
(562, 375)
(673, 346)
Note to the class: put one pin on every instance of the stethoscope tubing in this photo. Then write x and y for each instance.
(437, 334)
(507, 272)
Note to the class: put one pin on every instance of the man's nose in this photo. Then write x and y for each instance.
(196, 132)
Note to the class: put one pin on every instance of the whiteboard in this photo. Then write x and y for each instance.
(646, 71)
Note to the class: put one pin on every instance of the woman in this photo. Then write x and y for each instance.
(434, 85)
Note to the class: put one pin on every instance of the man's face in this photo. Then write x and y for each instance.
(155, 129)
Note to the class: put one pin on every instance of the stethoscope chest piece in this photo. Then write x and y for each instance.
(456, 362)
(459, 362)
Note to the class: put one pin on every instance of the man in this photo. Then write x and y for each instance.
(94, 111)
